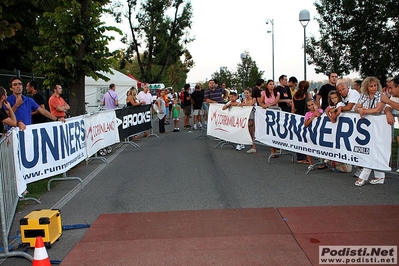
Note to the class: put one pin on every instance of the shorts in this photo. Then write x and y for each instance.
(205, 106)
(197, 112)
(176, 119)
(187, 110)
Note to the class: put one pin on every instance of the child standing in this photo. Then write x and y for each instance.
(313, 113)
(176, 109)
(334, 106)
(233, 102)
(161, 112)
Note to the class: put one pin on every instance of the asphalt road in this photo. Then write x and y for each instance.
(179, 172)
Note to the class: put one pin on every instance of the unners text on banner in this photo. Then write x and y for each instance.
(48, 149)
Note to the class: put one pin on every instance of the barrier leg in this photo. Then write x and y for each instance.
(96, 157)
(280, 153)
(29, 198)
(127, 141)
(64, 178)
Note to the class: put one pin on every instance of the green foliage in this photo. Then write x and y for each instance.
(74, 45)
(356, 36)
(248, 72)
(246, 76)
(19, 33)
(158, 40)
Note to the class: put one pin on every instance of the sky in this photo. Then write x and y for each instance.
(223, 29)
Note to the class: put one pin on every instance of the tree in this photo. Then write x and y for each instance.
(20, 32)
(356, 36)
(8, 23)
(248, 71)
(75, 46)
(158, 41)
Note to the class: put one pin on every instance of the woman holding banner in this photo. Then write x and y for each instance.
(269, 98)
(249, 101)
(370, 103)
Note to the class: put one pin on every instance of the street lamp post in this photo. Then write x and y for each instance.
(271, 21)
(243, 57)
(304, 18)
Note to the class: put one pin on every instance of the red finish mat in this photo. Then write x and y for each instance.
(376, 225)
(233, 237)
(209, 237)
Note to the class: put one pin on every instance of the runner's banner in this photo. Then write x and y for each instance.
(133, 120)
(101, 131)
(48, 149)
(231, 124)
(358, 141)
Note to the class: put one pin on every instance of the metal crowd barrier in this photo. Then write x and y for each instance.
(8, 194)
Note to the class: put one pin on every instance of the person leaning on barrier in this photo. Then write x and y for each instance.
(370, 103)
(23, 106)
(57, 104)
(31, 89)
(349, 97)
(132, 99)
(9, 120)
(392, 101)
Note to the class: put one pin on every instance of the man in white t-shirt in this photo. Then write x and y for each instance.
(349, 97)
(145, 95)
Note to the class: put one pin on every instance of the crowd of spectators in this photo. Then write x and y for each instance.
(367, 97)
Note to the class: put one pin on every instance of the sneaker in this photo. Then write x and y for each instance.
(239, 147)
(397, 171)
(175, 130)
(195, 127)
(200, 125)
(358, 172)
(251, 150)
(242, 146)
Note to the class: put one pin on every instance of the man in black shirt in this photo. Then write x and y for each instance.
(197, 98)
(257, 90)
(325, 90)
(31, 88)
(285, 94)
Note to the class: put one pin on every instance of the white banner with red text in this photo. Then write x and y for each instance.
(358, 141)
(231, 124)
(101, 131)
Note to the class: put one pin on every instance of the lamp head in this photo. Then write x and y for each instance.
(304, 17)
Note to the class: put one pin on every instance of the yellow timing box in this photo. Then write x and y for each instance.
(44, 223)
